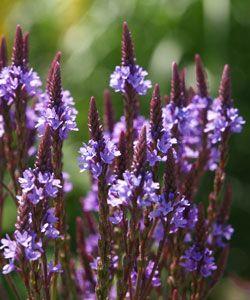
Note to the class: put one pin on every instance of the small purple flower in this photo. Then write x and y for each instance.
(109, 153)
(118, 78)
(27, 181)
(166, 142)
(54, 268)
(156, 281)
(153, 157)
(8, 268)
(116, 217)
(9, 246)
(221, 233)
(32, 254)
(236, 121)
(121, 191)
(23, 238)
(67, 184)
(196, 260)
(48, 227)
(135, 76)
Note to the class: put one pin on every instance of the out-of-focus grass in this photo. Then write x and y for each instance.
(88, 33)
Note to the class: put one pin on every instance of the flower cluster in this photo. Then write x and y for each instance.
(38, 186)
(13, 78)
(199, 260)
(63, 119)
(133, 75)
(93, 155)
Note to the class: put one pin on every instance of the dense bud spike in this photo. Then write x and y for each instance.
(26, 49)
(156, 114)
(22, 213)
(55, 86)
(3, 53)
(170, 173)
(108, 112)
(17, 54)
(128, 56)
(95, 127)
(175, 95)
(43, 161)
(201, 77)
(120, 165)
(225, 86)
(56, 59)
(140, 155)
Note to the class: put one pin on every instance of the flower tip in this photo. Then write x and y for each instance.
(125, 26)
(156, 91)
(17, 56)
(3, 53)
(92, 102)
(201, 77)
(225, 86)
(58, 56)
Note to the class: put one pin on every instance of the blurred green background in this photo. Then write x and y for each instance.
(89, 32)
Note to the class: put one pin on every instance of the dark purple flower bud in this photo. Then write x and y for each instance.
(176, 95)
(128, 56)
(3, 54)
(156, 122)
(17, 54)
(225, 87)
(140, 155)
(201, 80)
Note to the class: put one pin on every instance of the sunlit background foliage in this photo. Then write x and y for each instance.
(88, 32)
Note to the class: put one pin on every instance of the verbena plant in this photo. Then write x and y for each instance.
(142, 232)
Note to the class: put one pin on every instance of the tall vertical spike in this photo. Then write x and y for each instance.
(55, 87)
(43, 161)
(95, 127)
(128, 56)
(175, 95)
(156, 113)
(201, 77)
(3, 53)
(140, 155)
(56, 59)
(17, 54)
(225, 86)
(120, 164)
